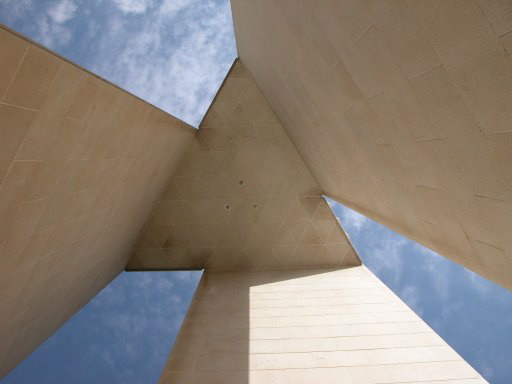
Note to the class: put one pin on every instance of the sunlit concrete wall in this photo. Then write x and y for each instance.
(81, 164)
(307, 326)
(402, 110)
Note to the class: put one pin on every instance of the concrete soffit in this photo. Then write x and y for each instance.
(242, 197)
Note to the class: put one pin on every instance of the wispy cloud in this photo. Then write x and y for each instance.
(433, 264)
(411, 295)
(478, 283)
(125, 333)
(170, 7)
(62, 11)
(177, 58)
(17, 9)
(379, 250)
(172, 53)
(133, 6)
(187, 276)
(387, 257)
(46, 22)
(354, 220)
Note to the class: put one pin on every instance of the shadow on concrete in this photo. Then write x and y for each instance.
(213, 345)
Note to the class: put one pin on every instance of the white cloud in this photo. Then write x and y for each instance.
(137, 309)
(382, 250)
(386, 256)
(410, 295)
(353, 220)
(133, 6)
(427, 252)
(16, 9)
(436, 267)
(171, 53)
(52, 34)
(177, 56)
(46, 22)
(62, 11)
(187, 276)
(478, 283)
(171, 7)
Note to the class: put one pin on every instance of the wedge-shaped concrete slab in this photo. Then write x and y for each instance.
(402, 110)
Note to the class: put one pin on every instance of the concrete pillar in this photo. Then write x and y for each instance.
(307, 326)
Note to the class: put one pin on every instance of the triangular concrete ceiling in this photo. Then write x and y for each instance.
(242, 198)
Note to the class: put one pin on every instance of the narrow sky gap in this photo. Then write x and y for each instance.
(123, 335)
(471, 313)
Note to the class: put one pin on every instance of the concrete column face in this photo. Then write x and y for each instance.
(307, 326)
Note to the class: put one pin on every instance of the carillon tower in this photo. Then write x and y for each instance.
(400, 110)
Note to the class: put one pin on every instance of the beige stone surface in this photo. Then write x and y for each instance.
(402, 110)
(242, 198)
(81, 165)
(307, 326)
(399, 109)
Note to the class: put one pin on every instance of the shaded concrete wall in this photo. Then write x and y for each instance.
(307, 326)
(81, 165)
(242, 198)
(402, 110)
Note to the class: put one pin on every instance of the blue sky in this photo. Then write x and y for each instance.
(123, 335)
(469, 312)
(175, 54)
(172, 53)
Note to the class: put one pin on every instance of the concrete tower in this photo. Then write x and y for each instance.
(400, 110)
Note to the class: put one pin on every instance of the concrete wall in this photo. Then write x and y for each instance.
(82, 163)
(242, 198)
(307, 326)
(402, 110)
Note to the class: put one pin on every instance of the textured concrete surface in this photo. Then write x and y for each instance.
(81, 165)
(242, 197)
(402, 110)
(307, 326)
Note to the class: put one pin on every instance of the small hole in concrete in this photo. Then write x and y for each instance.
(228, 206)
(241, 182)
